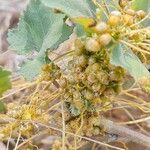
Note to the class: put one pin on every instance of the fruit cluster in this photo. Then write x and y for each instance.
(91, 80)
(120, 25)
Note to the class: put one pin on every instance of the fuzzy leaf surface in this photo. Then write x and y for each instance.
(73, 8)
(38, 29)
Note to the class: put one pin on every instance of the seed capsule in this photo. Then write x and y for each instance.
(96, 87)
(114, 20)
(82, 77)
(105, 39)
(130, 12)
(141, 14)
(92, 45)
(96, 67)
(78, 103)
(109, 93)
(96, 131)
(102, 77)
(76, 95)
(102, 27)
(115, 13)
(91, 78)
(123, 3)
(128, 20)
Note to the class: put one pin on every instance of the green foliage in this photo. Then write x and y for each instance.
(73, 8)
(38, 29)
(141, 4)
(80, 30)
(121, 56)
(5, 83)
(31, 69)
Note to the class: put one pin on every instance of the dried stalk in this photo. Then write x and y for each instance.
(125, 132)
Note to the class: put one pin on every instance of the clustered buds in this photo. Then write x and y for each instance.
(91, 79)
(50, 72)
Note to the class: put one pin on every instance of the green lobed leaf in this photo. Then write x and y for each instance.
(73, 8)
(31, 69)
(5, 83)
(38, 29)
(128, 60)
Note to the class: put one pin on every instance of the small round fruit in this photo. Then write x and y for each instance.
(96, 67)
(130, 12)
(114, 20)
(128, 20)
(105, 39)
(92, 45)
(96, 87)
(123, 3)
(102, 77)
(91, 78)
(76, 95)
(109, 93)
(115, 13)
(141, 14)
(102, 27)
(82, 76)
